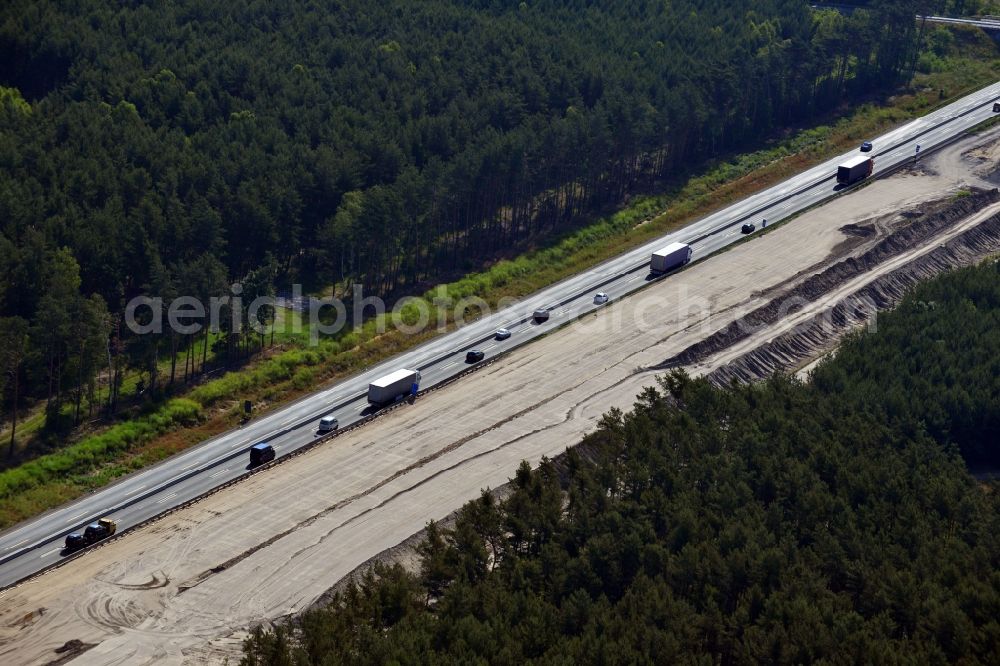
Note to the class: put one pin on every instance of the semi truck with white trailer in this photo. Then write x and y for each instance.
(672, 256)
(392, 387)
(855, 169)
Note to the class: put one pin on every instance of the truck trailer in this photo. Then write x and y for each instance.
(392, 387)
(672, 256)
(855, 169)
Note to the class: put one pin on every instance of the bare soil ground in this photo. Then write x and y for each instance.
(184, 589)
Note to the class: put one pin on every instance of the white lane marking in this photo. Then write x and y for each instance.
(245, 441)
(16, 545)
(489, 348)
(54, 550)
(133, 492)
(79, 515)
(168, 497)
(445, 367)
(192, 464)
(360, 407)
(219, 473)
(632, 279)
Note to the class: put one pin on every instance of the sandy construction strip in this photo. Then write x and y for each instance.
(183, 589)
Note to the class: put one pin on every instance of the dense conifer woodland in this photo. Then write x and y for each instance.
(173, 148)
(829, 521)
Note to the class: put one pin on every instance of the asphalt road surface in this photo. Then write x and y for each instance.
(37, 544)
(985, 24)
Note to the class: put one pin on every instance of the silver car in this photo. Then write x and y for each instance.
(328, 424)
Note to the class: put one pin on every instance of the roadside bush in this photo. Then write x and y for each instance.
(84, 456)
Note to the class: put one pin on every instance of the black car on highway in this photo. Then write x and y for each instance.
(75, 541)
(261, 453)
(474, 356)
(748, 228)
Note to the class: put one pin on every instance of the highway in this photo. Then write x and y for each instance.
(37, 544)
(985, 24)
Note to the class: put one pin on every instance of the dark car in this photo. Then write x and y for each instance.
(75, 541)
(748, 228)
(502, 334)
(996, 107)
(540, 315)
(95, 532)
(261, 453)
(474, 356)
(866, 147)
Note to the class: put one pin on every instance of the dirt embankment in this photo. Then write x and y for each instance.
(819, 333)
(922, 228)
(807, 340)
(407, 552)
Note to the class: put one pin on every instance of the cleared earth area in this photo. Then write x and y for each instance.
(184, 588)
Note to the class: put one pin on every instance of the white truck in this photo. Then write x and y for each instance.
(855, 169)
(392, 387)
(672, 256)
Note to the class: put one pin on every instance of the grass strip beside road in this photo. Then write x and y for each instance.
(278, 378)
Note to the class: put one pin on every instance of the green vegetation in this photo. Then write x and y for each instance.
(782, 522)
(175, 148)
(60, 476)
(289, 373)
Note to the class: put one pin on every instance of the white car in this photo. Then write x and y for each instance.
(328, 424)
(600, 298)
(502, 334)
